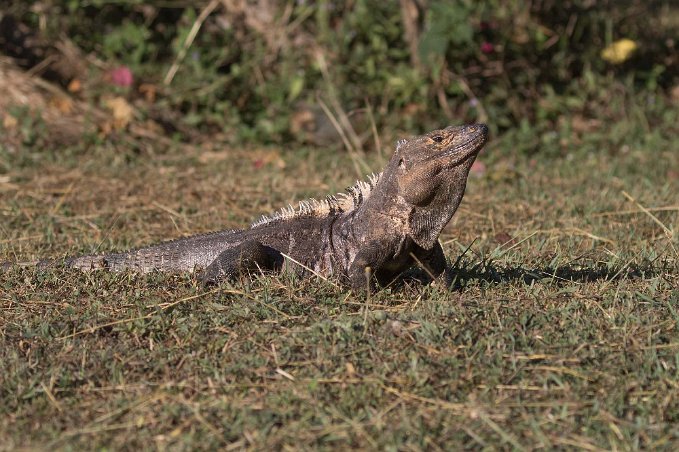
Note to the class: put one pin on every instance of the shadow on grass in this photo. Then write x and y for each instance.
(492, 273)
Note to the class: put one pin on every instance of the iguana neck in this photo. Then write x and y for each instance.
(383, 214)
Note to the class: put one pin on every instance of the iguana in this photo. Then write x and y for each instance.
(371, 234)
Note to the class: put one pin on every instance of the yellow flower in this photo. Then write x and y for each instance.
(619, 51)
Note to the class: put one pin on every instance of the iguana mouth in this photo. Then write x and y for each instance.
(467, 149)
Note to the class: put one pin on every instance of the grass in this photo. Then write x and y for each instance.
(561, 330)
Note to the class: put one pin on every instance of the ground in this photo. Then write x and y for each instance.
(561, 329)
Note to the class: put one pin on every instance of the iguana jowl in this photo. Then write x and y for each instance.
(380, 227)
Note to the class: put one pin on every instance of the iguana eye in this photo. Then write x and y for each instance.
(437, 138)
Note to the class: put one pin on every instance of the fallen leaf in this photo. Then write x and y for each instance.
(581, 124)
(74, 86)
(121, 110)
(674, 93)
(62, 104)
(261, 158)
(149, 91)
(9, 121)
(619, 51)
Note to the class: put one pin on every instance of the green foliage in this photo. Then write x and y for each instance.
(448, 27)
(247, 71)
(127, 43)
(27, 129)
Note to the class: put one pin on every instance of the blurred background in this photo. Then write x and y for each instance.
(547, 76)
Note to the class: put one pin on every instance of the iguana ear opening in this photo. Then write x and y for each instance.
(418, 190)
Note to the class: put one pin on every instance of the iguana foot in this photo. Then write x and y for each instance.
(435, 264)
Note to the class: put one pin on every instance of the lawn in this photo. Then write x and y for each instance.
(561, 329)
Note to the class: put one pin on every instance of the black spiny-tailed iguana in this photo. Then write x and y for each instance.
(380, 227)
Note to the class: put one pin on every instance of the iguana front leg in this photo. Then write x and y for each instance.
(249, 256)
(373, 262)
(366, 266)
(435, 263)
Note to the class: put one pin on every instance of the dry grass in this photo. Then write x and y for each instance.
(561, 330)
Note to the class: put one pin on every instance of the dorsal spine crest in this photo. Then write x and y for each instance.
(344, 202)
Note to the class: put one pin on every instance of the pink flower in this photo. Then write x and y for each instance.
(487, 47)
(121, 76)
(487, 25)
(478, 168)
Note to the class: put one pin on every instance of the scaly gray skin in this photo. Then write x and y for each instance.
(380, 228)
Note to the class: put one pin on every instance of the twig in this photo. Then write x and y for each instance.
(51, 397)
(373, 128)
(366, 305)
(444, 404)
(483, 115)
(209, 8)
(332, 97)
(502, 253)
(423, 267)
(667, 230)
(61, 199)
(632, 212)
(163, 306)
(459, 258)
(309, 269)
(336, 125)
(505, 436)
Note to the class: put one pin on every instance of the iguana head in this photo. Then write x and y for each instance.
(430, 173)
